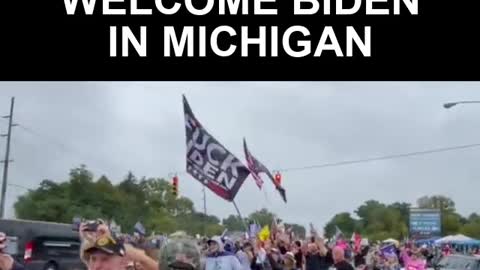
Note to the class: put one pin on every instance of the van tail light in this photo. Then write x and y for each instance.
(28, 252)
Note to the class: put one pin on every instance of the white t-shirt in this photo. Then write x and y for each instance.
(261, 256)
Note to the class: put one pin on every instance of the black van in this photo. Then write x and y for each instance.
(52, 253)
(458, 262)
(42, 245)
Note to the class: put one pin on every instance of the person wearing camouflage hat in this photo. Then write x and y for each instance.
(105, 254)
(181, 253)
(102, 251)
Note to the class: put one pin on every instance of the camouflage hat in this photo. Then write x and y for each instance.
(108, 245)
(180, 253)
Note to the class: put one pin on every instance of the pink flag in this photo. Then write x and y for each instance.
(358, 241)
(342, 244)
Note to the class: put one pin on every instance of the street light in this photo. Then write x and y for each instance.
(451, 104)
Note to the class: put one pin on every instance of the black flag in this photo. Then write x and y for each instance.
(210, 162)
(256, 167)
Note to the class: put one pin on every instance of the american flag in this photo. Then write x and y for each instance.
(254, 166)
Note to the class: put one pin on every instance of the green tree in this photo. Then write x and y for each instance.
(233, 223)
(403, 208)
(133, 203)
(377, 221)
(436, 202)
(152, 202)
(297, 229)
(472, 226)
(263, 217)
(109, 199)
(147, 200)
(131, 188)
(450, 223)
(81, 185)
(384, 221)
(343, 221)
(47, 203)
(198, 223)
(159, 221)
(61, 202)
(367, 210)
(474, 218)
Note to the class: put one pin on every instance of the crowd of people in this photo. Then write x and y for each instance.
(101, 249)
(280, 251)
(313, 254)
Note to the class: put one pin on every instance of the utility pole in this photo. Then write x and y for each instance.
(7, 160)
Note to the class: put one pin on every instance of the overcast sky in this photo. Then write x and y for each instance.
(116, 127)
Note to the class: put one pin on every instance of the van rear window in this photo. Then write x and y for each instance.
(57, 247)
(61, 244)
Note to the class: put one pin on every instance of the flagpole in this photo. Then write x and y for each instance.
(205, 212)
(266, 197)
(240, 215)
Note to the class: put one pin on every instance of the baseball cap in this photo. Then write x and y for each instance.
(107, 245)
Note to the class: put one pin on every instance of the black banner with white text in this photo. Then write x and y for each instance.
(209, 161)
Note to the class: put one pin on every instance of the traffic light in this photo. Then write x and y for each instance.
(278, 178)
(175, 186)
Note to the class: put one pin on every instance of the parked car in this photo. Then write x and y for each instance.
(53, 253)
(458, 262)
(42, 245)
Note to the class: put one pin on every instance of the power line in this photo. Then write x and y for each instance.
(20, 186)
(52, 141)
(49, 139)
(61, 146)
(387, 157)
(380, 158)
